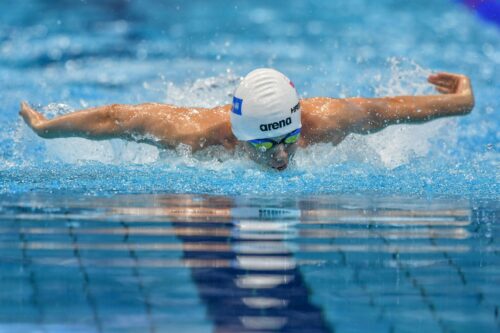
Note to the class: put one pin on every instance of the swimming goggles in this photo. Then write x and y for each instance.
(266, 144)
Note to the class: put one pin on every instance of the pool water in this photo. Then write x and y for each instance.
(393, 232)
(199, 263)
(92, 52)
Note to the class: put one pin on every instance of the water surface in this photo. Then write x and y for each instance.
(171, 263)
(66, 55)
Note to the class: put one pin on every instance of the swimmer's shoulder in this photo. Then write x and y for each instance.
(319, 105)
(323, 120)
(220, 131)
(209, 127)
(320, 109)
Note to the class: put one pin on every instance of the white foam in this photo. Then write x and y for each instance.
(75, 150)
(397, 144)
(205, 92)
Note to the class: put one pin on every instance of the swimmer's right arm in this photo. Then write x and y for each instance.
(129, 122)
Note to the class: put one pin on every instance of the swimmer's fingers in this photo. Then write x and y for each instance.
(30, 116)
(444, 79)
(445, 83)
(443, 90)
(455, 83)
(443, 87)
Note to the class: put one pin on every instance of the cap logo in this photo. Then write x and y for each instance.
(275, 125)
(237, 102)
(295, 108)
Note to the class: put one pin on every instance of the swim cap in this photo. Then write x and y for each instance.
(265, 105)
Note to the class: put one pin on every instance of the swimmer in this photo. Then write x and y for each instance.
(267, 118)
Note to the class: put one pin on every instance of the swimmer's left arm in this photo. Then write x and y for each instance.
(331, 120)
(377, 113)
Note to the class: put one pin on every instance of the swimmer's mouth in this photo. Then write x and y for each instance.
(281, 167)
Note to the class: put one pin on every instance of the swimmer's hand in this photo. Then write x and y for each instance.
(455, 84)
(448, 83)
(33, 119)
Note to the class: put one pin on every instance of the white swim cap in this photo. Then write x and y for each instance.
(265, 105)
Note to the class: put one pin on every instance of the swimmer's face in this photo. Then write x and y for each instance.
(276, 157)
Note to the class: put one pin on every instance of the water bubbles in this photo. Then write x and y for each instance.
(207, 92)
(202, 142)
(405, 77)
(72, 67)
(261, 15)
(490, 51)
(87, 68)
(83, 103)
(142, 53)
(56, 109)
(54, 54)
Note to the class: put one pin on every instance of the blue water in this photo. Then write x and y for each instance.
(199, 263)
(393, 232)
(91, 53)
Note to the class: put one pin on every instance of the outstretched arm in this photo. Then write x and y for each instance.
(159, 124)
(367, 115)
(100, 123)
(456, 99)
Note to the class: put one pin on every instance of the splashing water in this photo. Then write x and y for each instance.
(379, 153)
(69, 70)
(404, 216)
(390, 148)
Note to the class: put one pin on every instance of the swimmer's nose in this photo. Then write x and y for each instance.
(280, 156)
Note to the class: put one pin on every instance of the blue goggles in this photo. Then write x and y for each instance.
(266, 144)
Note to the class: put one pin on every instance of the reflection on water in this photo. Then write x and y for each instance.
(200, 263)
